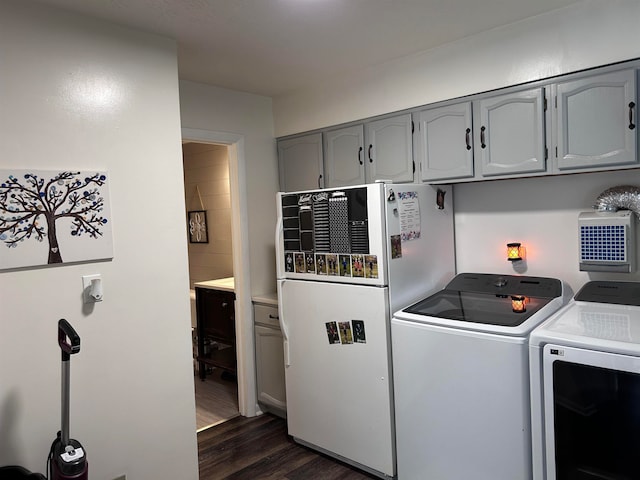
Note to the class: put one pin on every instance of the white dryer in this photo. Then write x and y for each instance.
(461, 377)
(585, 386)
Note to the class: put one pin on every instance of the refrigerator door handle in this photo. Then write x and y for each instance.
(279, 243)
(285, 334)
(285, 346)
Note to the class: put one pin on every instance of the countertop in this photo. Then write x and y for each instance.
(270, 298)
(225, 284)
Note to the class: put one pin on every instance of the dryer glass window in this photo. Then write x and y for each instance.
(596, 422)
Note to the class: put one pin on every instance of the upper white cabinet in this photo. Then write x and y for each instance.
(495, 136)
(582, 122)
(596, 121)
(444, 144)
(389, 149)
(344, 156)
(377, 150)
(300, 163)
(510, 137)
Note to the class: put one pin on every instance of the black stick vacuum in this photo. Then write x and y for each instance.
(67, 458)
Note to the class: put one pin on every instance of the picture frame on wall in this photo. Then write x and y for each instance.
(54, 217)
(197, 225)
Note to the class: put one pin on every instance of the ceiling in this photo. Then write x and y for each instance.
(271, 47)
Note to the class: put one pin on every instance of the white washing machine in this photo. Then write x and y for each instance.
(461, 377)
(585, 386)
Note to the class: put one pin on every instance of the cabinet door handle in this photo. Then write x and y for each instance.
(467, 138)
(370, 147)
(274, 317)
(482, 142)
(631, 107)
(224, 304)
(360, 156)
(319, 180)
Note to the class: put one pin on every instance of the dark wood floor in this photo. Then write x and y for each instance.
(259, 448)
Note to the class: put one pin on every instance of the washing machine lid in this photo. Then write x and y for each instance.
(617, 293)
(603, 315)
(481, 301)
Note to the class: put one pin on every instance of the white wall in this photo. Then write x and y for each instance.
(77, 93)
(542, 214)
(588, 34)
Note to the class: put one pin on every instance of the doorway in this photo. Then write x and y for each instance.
(210, 253)
(246, 371)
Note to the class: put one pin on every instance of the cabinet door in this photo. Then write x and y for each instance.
(344, 156)
(389, 150)
(596, 121)
(216, 314)
(270, 367)
(445, 142)
(510, 138)
(300, 163)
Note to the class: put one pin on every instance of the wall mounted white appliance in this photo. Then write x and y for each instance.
(346, 258)
(607, 241)
(585, 386)
(461, 377)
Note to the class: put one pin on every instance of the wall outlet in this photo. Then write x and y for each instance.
(92, 288)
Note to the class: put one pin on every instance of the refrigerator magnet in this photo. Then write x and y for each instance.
(357, 265)
(410, 223)
(288, 262)
(345, 265)
(371, 266)
(332, 264)
(311, 264)
(300, 266)
(332, 333)
(358, 331)
(321, 263)
(396, 246)
(346, 336)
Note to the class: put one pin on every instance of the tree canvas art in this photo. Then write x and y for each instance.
(53, 217)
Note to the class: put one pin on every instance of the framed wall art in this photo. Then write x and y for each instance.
(50, 217)
(197, 223)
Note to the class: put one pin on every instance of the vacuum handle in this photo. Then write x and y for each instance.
(68, 339)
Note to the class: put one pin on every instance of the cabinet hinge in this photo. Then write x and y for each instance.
(556, 152)
(556, 101)
(412, 127)
(545, 104)
(414, 166)
(546, 153)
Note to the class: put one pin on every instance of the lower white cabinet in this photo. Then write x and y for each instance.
(269, 359)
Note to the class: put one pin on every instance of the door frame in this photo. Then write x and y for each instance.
(241, 268)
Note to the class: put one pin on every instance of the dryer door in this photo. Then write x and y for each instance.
(592, 420)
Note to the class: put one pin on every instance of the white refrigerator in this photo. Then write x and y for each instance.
(347, 258)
